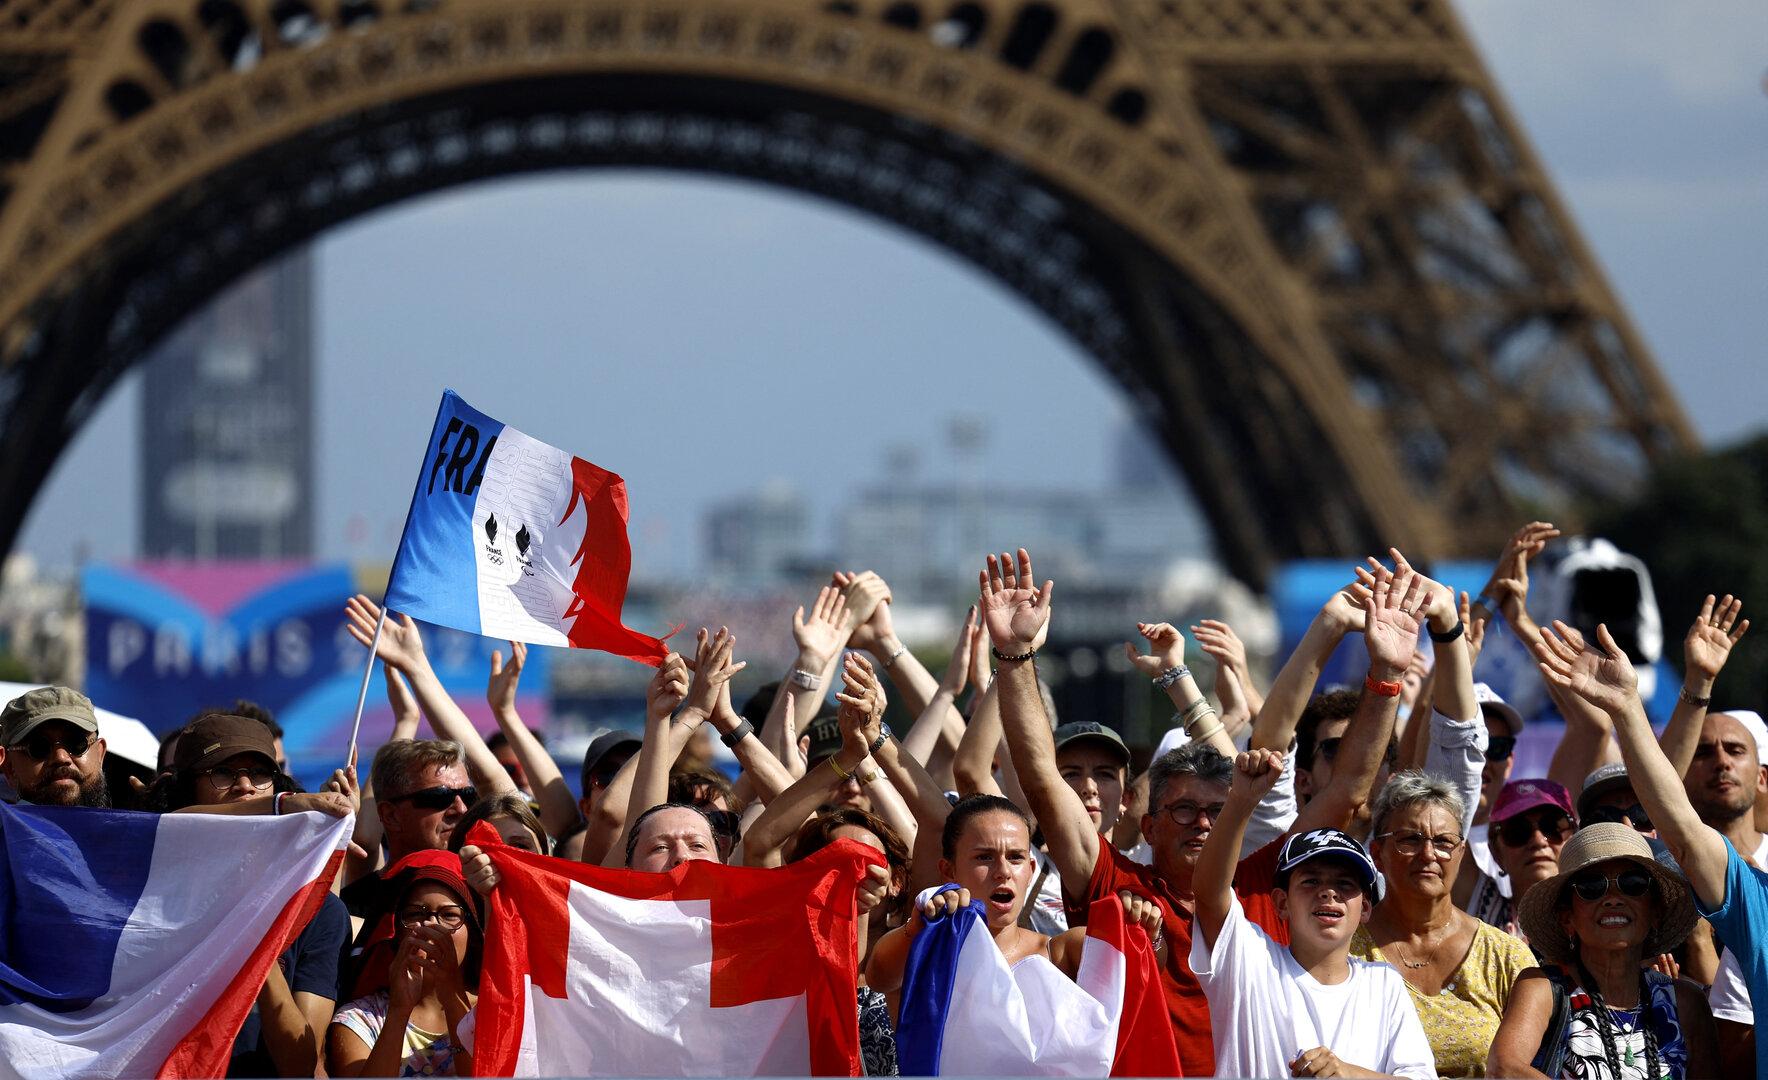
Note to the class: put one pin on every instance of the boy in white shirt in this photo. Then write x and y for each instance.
(1308, 1009)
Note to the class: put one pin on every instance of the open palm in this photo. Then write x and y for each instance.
(1602, 676)
(1015, 611)
(1715, 630)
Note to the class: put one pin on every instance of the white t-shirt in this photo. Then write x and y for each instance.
(1266, 1010)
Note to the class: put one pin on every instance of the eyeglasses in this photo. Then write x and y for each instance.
(41, 747)
(1500, 747)
(1411, 843)
(1593, 887)
(259, 776)
(1185, 812)
(726, 823)
(1634, 815)
(448, 918)
(1554, 825)
(438, 798)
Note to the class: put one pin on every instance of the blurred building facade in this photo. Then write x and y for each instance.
(226, 460)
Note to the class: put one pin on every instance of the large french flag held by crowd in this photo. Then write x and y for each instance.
(707, 970)
(134, 944)
(511, 538)
(964, 1012)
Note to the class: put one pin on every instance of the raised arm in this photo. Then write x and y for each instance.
(911, 680)
(763, 770)
(923, 797)
(923, 738)
(1220, 643)
(558, 810)
(1164, 664)
(1704, 652)
(1604, 677)
(820, 638)
(1275, 727)
(665, 738)
(1390, 615)
(1018, 616)
(607, 822)
(1508, 587)
(402, 646)
(973, 764)
(768, 834)
(1212, 883)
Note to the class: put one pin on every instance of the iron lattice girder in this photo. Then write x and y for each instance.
(1304, 235)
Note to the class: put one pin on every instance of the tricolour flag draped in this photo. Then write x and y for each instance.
(134, 944)
(964, 1012)
(512, 538)
(707, 970)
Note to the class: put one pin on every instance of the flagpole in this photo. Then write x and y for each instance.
(362, 695)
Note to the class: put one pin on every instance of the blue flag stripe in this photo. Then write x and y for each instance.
(928, 979)
(435, 573)
(69, 881)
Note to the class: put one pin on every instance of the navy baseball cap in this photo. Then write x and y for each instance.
(1319, 843)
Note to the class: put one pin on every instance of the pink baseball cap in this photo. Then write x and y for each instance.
(1519, 796)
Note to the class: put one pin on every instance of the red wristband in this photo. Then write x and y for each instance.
(1384, 689)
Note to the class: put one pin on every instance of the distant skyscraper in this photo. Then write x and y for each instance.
(227, 425)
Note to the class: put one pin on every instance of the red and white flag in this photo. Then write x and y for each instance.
(708, 970)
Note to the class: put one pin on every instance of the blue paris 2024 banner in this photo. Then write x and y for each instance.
(165, 641)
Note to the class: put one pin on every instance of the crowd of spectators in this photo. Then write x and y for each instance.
(1338, 881)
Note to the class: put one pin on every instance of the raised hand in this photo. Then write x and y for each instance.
(1220, 643)
(1602, 676)
(1344, 609)
(868, 611)
(937, 906)
(401, 645)
(399, 696)
(477, 868)
(1438, 600)
(1476, 629)
(821, 636)
(874, 888)
(1166, 648)
(408, 976)
(1016, 612)
(861, 716)
(957, 672)
(669, 687)
(1709, 641)
(1510, 578)
(1255, 773)
(712, 667)
(980, 673)
(1390, 617)
(500, 689)
(343, 782)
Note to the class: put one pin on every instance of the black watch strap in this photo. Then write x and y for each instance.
(737, 734)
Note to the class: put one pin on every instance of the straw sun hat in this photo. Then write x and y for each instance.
(1538, 913)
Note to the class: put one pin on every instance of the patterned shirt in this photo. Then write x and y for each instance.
(1461, 1020)
(425, 1053)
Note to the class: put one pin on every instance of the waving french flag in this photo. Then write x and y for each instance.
(964, 1012)
(707, 970)
(512, 538)
(134, 944)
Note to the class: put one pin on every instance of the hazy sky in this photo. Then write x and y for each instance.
(705, 337)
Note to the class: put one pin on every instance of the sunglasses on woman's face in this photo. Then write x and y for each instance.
(1500, 747)
(1519, 830)
(1593, 887)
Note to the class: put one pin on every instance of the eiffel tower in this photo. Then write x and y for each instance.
(1307, 237)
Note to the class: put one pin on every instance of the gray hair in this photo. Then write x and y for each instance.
(397, 763)
(1411, 788)
(1193, 759)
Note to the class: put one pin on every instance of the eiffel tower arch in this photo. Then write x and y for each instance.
(1306, 237)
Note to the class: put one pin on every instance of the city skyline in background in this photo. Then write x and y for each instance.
(719, 342)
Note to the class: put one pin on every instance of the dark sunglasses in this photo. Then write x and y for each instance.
(439, 798)
(1634, 815)
(1553, 824)
(1500, 747)
(726, 823)
(41, 747)
(1593, 887)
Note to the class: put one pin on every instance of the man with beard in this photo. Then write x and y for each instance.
(50, 749)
